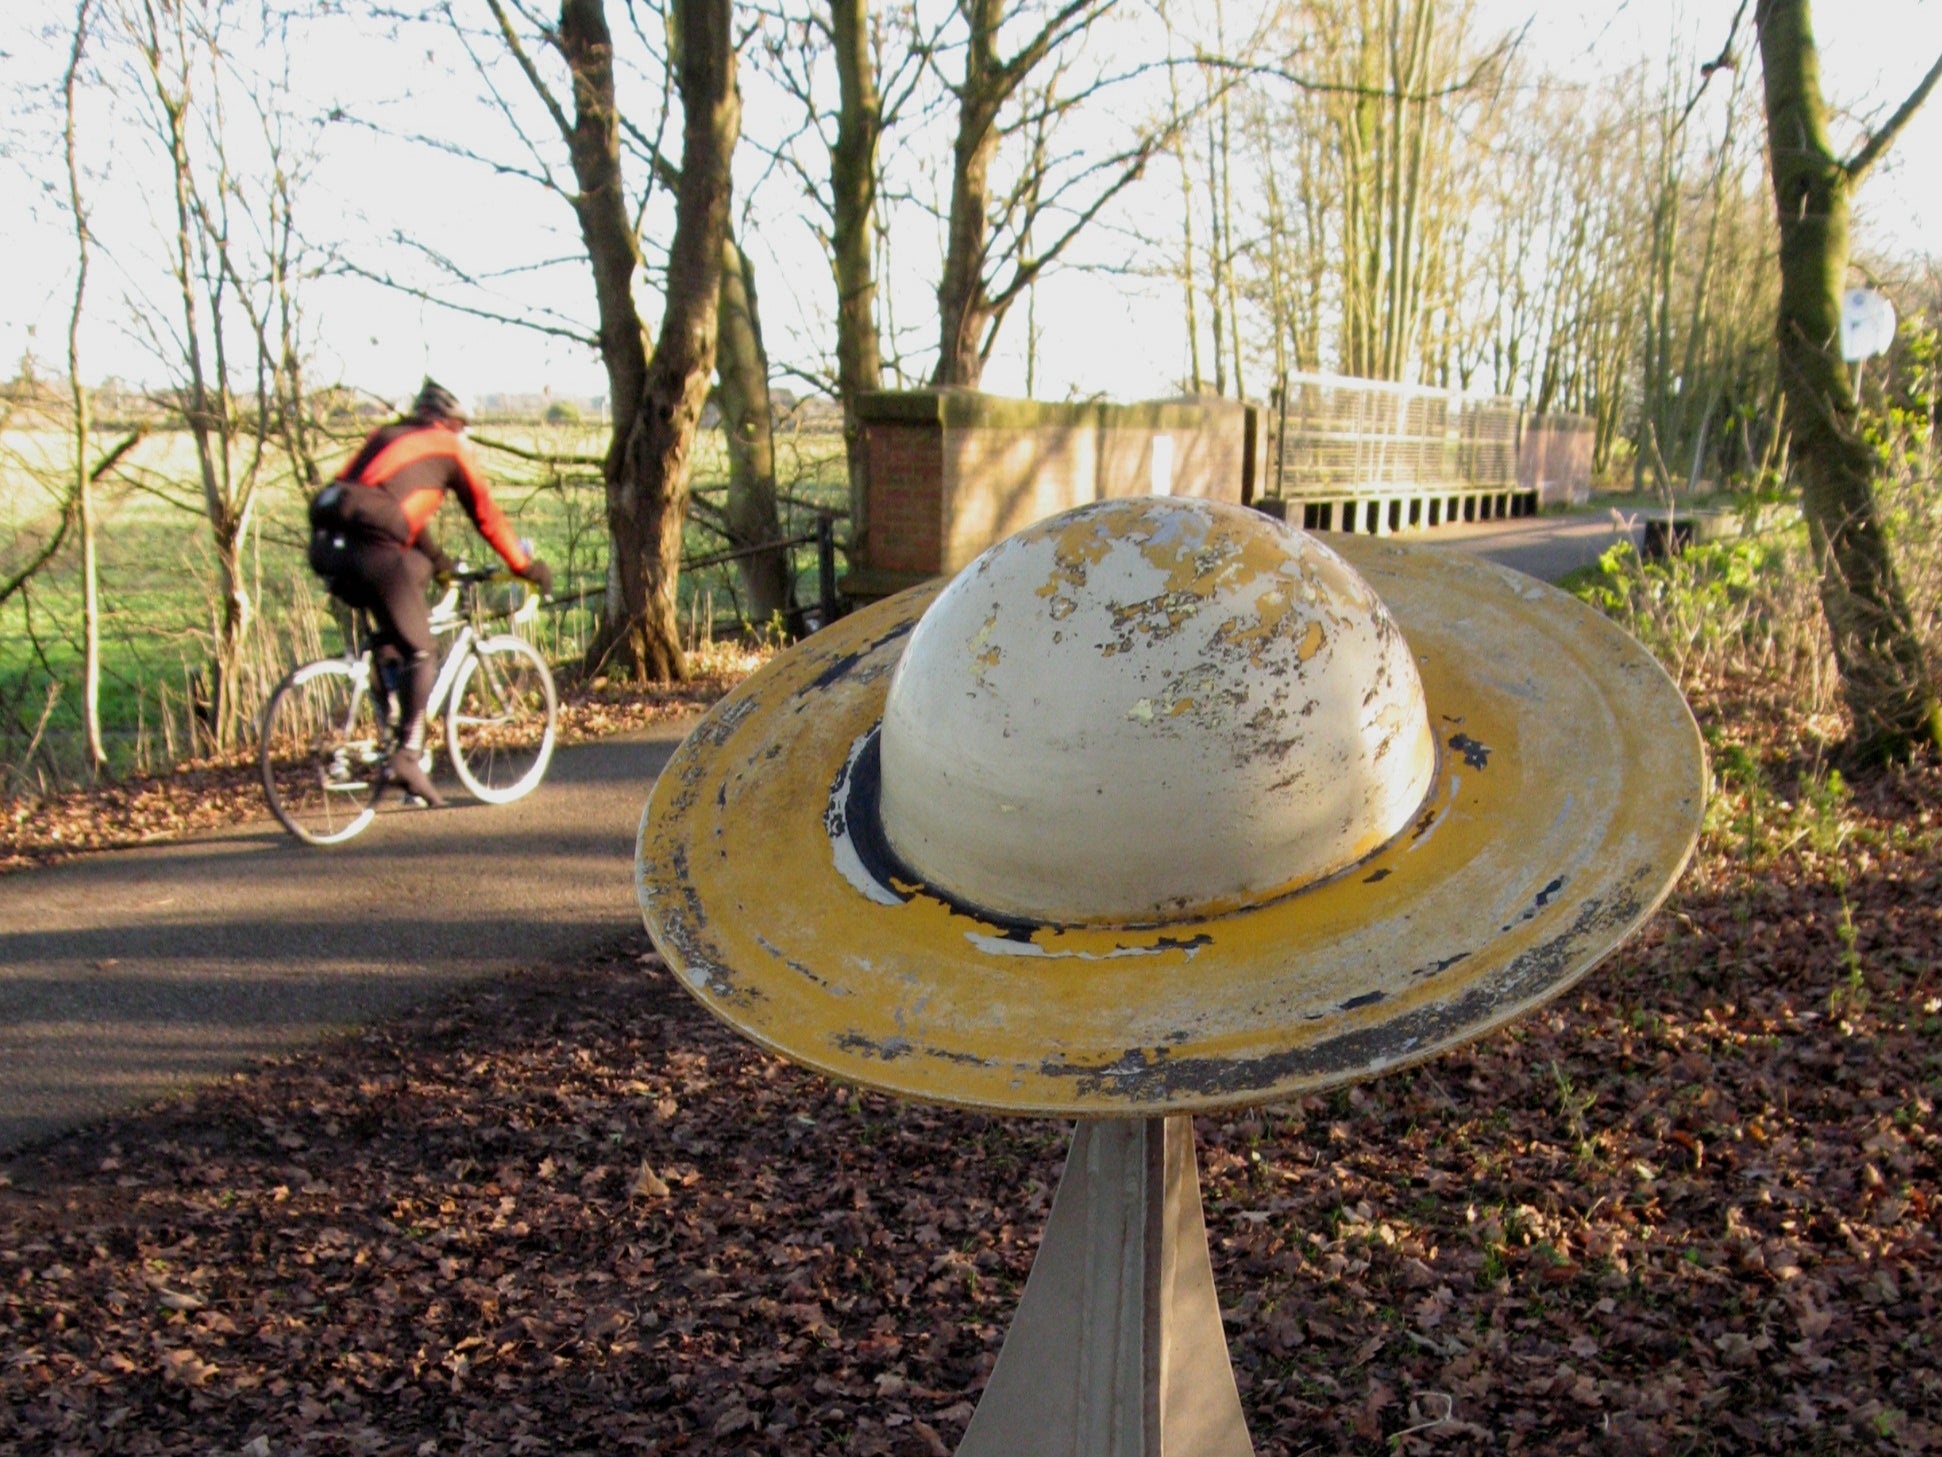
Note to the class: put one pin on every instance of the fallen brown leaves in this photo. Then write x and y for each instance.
(568, 1213)
(1691, 1208)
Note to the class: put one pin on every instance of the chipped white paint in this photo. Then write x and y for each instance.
(1011, 946)
(1146, 707)
(842, 843)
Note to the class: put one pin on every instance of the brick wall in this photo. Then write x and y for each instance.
(949, 473)
(905, 527)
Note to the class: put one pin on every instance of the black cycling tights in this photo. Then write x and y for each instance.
(390, 580)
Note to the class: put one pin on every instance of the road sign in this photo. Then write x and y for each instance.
(1867, 324)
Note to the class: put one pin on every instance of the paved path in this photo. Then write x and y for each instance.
(127, 975)
(1549, 547)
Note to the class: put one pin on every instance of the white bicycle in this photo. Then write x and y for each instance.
(323, 747)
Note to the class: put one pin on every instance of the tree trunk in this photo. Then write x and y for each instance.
(1228, 249)
(656, 404)
(1220, 257)
(742, 366)
(206, 411)
(963, 302)
(1884, 677)
(1187, 271)
(853, 188)
(1179, 129)
(614, 253)
(648, 494)
(83, 486)
(601, 206)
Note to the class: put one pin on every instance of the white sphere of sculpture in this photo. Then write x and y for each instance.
(1148, 707)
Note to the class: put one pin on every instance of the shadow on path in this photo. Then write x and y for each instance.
(1547, 547)
(125, 976)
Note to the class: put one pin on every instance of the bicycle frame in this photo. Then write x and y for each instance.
(445, 619)
(448, 670)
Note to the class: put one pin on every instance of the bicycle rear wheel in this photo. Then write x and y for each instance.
(503, 715)
(321, 751)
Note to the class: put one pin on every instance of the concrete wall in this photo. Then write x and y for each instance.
(1554, 458)
(950, 472)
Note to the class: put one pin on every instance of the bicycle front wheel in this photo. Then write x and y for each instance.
(321, 751)
(502, 719)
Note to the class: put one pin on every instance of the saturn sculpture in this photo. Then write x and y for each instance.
(1159, 807)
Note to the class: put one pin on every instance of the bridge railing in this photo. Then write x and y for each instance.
(1371, 456)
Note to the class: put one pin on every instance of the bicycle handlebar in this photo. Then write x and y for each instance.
(480, 576)
(464, 576)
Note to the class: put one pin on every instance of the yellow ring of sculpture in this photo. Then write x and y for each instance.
(1570, 787)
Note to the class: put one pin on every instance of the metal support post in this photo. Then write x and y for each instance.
(826, 565)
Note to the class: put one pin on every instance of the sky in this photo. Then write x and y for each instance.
(1099, 332)
(1873, 54)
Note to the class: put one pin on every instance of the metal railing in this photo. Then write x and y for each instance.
(1339, 436)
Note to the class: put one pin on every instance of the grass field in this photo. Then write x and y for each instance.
(158, 577)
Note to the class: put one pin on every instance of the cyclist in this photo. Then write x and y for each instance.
(369, 543)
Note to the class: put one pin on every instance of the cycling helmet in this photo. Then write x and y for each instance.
(435, 402)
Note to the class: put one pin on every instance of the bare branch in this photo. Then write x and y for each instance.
(1029, 269)
(1065, 23)
(533, 77)
(540, 456)
(557, 331)
(454, 149)
(664, 171)
(1877, 145)
(1309, 84)
(70, 513)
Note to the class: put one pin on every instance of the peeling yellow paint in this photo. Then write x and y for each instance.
(985, 654)
(1509, 883)
(1082, 541)
(1199, 561)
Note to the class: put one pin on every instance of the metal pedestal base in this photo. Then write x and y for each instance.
(1117, 1348)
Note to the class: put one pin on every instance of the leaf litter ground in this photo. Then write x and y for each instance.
(1689, 1208)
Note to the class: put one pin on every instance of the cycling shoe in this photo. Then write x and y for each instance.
(408, 774)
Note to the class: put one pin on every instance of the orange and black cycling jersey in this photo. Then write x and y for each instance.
(414, 465)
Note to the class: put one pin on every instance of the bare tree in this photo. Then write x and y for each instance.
(853, 173)
(880, 62)
(992, 254)
(647, 499)
(1177, 118)
(748, 424)
(649, 454)
(1885, 678)
(1377, 120)
(83, 487)
(229, 251)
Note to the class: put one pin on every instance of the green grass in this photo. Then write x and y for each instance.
(158, 575)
